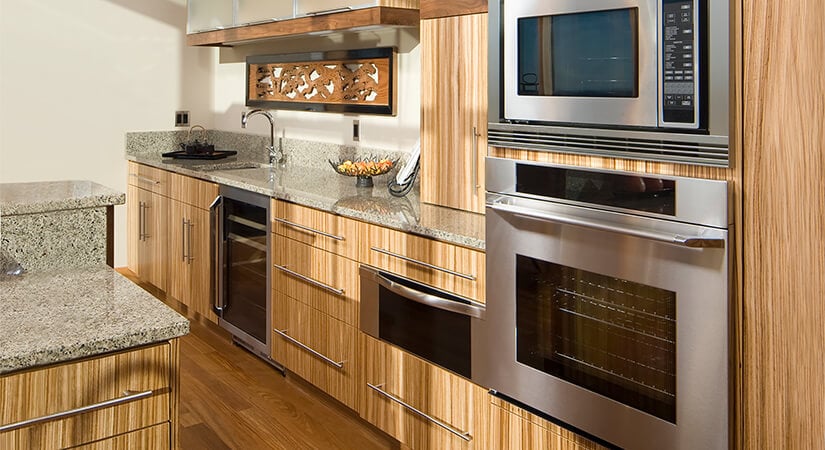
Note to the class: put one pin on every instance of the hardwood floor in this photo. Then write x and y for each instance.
(230, 399)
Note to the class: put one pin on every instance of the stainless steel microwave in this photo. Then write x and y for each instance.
(565, 71)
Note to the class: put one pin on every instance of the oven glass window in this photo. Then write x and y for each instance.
(611, 336)
(592, 54)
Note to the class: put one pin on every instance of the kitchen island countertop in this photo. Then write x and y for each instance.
(38, 197)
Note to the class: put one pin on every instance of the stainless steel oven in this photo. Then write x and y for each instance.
(428, 322)
(607, 302)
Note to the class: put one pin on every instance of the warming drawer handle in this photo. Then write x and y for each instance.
(305, 228)
(300, 344)
(423, 264)
(685, 241)
(128, 396)
(310, 280)
(462, 434)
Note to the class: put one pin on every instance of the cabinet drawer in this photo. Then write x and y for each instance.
(449, 267)
(317, 228)
(118, 393)
(457, 410)
(316, 347)
(156, 437)
(192, 191)
(149, 178)
(512, 427)
(320, 279)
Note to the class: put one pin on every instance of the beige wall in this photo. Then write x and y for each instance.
(76, 75)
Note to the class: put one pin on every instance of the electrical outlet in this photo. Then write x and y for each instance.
(181, 118)
(356, 130)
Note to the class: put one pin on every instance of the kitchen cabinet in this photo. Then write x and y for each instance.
(209, 15)
(452, 413)
(512, 427)
(146, 223)
(251, 11)
(130, 391)
(189, 257)
(454, 111)
(433, 9)
(319, 229)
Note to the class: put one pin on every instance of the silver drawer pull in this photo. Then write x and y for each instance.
(300, 344)
(422, 263)
(462, 434)
(310, 280)
(305, 228)
(144, 179)
(128, 396)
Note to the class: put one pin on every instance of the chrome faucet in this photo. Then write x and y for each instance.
(273, 154)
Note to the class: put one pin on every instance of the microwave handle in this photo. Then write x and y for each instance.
(685, 241)
(424, 298)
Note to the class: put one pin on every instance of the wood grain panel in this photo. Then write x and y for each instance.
(149, 178)
(327, 336)
(513, 431)
(63, 387)
(189, 277)
(784, 219)
(192, 191)
(155, 437)
(432, 390)
(347, 229)
(133, 218)
(324, 267)
(384, 16)
(433, 9)
(453, 105)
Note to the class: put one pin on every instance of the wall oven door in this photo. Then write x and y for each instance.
(613, 323)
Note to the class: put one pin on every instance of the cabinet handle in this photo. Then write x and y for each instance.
(145, 235)
(144, 179)
(140, 221)
(190, 227)
(183, 240)
(462, 434)
(298, 343)
(422, 263)
(475, 159)
(310, 280)
(330, 11)
(305, 228)
(128, 396)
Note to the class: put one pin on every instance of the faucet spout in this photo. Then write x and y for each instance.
(245, 118)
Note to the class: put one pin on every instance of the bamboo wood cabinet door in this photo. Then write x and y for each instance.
(190, 267)
(454, 111)
(458, 410)
(140, 385)
(513, 428)
(146, 231)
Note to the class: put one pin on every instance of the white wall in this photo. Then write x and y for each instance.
(76, 75)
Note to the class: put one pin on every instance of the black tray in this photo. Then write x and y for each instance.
(217, 154)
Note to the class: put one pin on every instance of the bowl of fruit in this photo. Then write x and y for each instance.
(363, 168)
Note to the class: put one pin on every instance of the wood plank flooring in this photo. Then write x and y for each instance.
(231, 399)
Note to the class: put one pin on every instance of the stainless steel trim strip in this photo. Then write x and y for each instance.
(310, 280)
(686, 241)
(462, 434)
(422, 263)
(294, 341)
(434, 301)
(305, 228)
(128, 397)
(215, 215)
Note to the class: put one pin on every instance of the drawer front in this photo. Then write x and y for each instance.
(446, 398)
(511, 430)
(320, 279)
(316, 347)
(135, 384)
(317, 228)
(149, 178)
(446, 266)
(156, 437)
(192, 191)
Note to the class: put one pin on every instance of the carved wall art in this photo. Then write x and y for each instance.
(352, 81)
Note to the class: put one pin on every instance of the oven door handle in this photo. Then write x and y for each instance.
(668, 238)
(424, 298)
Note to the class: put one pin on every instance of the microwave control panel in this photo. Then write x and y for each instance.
(679, 64)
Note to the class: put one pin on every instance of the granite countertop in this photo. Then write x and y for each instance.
(38, 197)
(326, 190)
(51, 317)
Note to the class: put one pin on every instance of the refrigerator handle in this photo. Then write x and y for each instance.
(215, 251)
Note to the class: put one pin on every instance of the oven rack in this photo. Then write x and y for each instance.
(579, 346)
(623, 309)
(565, 307)
(656, 304)
(616, 375)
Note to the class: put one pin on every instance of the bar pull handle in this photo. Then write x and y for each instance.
(330, 11)
(189, 228)
(141, 222)
(183, 240)
(128, 396)
(215, 219)
(476, 135)
(144, 179)
(315, 353)
(145, 235)
(423, 264)
(308, 229)
(310, 280)
(685, 241)
(462, 434)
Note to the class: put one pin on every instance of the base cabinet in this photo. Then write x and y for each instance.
(513, 428)
(146, 229)
(190, 267)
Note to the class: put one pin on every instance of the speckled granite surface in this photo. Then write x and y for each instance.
(51, 317)
(322, 188)
(30, 198)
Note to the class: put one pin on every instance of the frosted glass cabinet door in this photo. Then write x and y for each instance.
(304, 7)
(250, 11)
(208, 15)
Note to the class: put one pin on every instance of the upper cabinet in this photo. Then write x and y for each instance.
(228, 22)
(433, 9)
